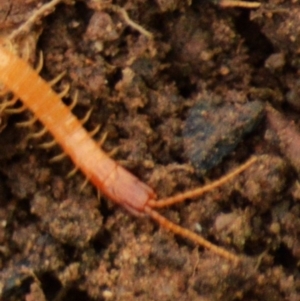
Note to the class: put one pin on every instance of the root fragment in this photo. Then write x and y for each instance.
(242, 4)
(99, 5)
(37, 15)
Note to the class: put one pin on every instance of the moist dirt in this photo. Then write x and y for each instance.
(58, 243)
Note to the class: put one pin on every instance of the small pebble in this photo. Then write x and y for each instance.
(212, 131)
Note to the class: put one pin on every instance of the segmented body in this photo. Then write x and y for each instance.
(109, 177)
(113, 180)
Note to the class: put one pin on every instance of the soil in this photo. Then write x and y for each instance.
(58, 243)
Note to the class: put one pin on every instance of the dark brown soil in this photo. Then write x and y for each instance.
(59, 244)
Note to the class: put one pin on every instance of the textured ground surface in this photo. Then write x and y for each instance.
(57, 244)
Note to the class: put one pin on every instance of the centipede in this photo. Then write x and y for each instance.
(109, 177)
(114, 181)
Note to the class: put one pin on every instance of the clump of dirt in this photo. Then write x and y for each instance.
(207, 141)
(142, 66)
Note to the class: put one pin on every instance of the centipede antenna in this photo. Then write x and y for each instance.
(64, 92)
(72, 172)
(74, 101)
(95, 130)
(57, 158)
(56, 79)
(37, 134)
(201, 190)
(185, 233)
(40, 64)
(47, 145)
(16, 111)
(86, 117)
(27, 123)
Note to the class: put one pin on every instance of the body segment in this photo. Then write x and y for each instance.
(113, 180)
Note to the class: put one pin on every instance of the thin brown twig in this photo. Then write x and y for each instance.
(237, 3)
(40, 12)
(123, 13)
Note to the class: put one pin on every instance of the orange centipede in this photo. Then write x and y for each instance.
(114, 181)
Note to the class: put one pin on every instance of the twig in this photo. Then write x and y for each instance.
(236, 3)
(40, 12)
(123, 13)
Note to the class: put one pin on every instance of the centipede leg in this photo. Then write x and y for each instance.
(86, 117)
(113, 152)
(47, 145)
(56, 79)
(101, 142)
(95, 130)
(72, 172)
(57, 158)
(37, 134)
(102, 139)
(8, 103)
(27, 123)
(83, 185)
(16, 111)
(74, 101)
(40, 64)
(64, 92)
